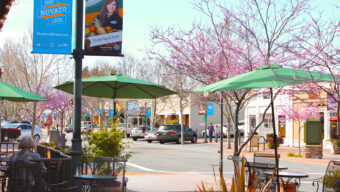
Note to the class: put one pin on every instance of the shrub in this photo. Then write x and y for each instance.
(172, 122)
(271, 145)
(337, 143)
(107, 142)
(294, 155)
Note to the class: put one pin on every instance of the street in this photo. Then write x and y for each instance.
(174, 167)
(170, 158)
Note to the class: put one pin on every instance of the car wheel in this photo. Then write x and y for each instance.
(178, 141)
(134, 138)
(149, 141)
(5, 137)
(161, 141)
(194, 139)
(36, 138)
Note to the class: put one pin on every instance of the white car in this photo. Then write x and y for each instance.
(225, 130)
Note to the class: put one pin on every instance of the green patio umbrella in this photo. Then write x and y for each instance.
(118, 86)
(267, 77)
(12, 93)
(15, 94)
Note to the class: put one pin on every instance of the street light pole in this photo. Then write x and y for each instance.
(78, 55)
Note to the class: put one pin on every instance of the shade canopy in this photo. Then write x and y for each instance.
(12, 93)
(267, 77)
(118, 86)
(334, 119)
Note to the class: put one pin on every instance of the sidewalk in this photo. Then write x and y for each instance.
(282, 150)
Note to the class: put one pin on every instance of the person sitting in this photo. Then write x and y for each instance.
(25, 174)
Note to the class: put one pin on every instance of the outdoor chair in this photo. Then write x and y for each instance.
(58, 174)
(264, 162)
(26, 176)
(113, 166)
(331, 180)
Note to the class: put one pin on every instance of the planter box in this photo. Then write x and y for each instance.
(313, 151)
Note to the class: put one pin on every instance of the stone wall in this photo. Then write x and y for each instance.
(312, 152)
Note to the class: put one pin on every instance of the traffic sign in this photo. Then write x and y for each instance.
(205, 118)
(70, 102)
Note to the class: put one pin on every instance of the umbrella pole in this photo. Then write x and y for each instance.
(275, 138)
(0, 119)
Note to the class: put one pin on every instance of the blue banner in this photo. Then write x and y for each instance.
(52, 26)
(112, 114)
(210, 108)
(148, 111)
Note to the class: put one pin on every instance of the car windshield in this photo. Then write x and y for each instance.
(9, 126)
(141, 128)
(165, 127)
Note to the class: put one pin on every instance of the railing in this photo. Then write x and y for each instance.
(58, 168)
(9, 147)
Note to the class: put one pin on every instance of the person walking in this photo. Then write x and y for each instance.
(211, 131)
(217, 132)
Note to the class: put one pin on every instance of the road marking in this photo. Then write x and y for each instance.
(172, 172)
(152, 150)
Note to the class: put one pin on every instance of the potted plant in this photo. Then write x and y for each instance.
(270, 141)
(336, 146)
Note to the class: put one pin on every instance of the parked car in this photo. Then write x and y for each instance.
(172, 132)
(25, 129)
(139, 132)
(69, 129)
(151, 135)
(85, 128)
(9, 132)
(225, 130)
(123, 127)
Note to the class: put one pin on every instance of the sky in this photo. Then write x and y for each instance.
(139, 17)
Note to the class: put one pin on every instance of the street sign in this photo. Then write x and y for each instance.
(70, 103)
(145, 118)
(210, 108)
(148, 111)
(205, 118)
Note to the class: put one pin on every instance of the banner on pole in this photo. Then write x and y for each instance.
(103, 27)
(210, 108)
(52, 26)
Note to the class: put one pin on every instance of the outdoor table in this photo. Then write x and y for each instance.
(95, 181)
(289, 175)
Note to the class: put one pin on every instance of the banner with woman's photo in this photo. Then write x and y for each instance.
(103, 27)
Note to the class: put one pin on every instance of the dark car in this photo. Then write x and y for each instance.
(172, 132)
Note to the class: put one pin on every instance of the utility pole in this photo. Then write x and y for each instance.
(205, 118)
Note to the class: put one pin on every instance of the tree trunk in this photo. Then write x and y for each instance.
(33, 118)
(181, 118)
(299, 137)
